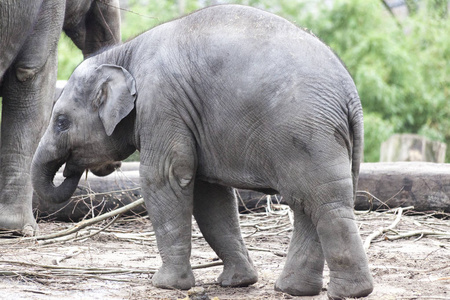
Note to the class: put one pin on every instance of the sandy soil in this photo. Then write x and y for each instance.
(117, 262)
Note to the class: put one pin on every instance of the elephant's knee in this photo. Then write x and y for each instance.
(26, 73)
(183, 172)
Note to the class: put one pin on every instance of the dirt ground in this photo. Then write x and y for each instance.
(117, 262)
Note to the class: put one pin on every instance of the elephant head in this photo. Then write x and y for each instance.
(92, 24)
(84, 131)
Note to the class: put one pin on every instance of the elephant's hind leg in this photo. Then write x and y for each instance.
(302, 273)
(341, 243)
(215, 210)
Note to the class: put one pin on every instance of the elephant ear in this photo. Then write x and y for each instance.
(116, 95)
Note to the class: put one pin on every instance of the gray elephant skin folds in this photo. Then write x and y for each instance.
(228, 96)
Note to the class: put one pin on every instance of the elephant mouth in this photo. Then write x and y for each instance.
(106, 169)
(71, 170)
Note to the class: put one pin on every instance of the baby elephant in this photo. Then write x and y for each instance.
(229, 96)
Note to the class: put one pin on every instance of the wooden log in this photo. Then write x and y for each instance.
(93, 196)
(426, 186)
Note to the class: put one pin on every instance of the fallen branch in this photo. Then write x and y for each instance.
(56, 270)
(83, 224)
(277, 253)
(72, 254)
(382, 230)
(208, 265)
(100, 230)
(88, 222)
(445, 235)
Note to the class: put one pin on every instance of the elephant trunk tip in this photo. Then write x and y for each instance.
(43, 174)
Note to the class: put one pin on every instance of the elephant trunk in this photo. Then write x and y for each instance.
(43, 171)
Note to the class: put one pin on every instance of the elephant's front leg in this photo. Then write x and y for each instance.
(216, 212)
(26, 110)
(167, 187)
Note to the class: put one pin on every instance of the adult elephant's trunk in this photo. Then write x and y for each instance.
(43, 171)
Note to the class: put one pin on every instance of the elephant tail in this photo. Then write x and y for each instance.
(356, 126)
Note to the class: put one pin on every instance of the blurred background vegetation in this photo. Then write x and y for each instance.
(398, 53)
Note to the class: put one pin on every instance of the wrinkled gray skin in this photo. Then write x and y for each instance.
(229, 96)
(29, 34)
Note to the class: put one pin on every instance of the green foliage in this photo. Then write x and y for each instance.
(401, 71)
(133, 157)
(69, 57)
(376, 131)
(139, 18)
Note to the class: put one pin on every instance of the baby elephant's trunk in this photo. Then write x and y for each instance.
(43, 170)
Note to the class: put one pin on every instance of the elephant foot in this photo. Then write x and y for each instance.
(238, 275)
(171, 277)
(16, 220)
(295, 284)
(353, 284)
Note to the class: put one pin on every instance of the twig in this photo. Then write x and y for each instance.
(372, 197)
(70, 255)
(59, 269)
(420, 233)
(51, 270)
(127, 10)
(238, 196)
(277, 253)
(382, 230)
(207, 265)
(76, 236)
(260, 228)
(100, 230)
(82, 224)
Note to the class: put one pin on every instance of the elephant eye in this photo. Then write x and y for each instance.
(62, 123)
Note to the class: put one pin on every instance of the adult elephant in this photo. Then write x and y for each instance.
(29, 34)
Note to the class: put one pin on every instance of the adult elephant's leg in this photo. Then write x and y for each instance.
(216, 212)
(26, 109)
(332, 213)
(16, 22)
(302, 273)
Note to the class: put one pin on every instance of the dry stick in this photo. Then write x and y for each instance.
(100, 230)
(441, 234)
(88, 222)
(81, 235)
(371, 197)
(67, 256)
(58, 269)
(70, 271)
(82, 224)
(382, 230)
(208, 265)
(277, 253)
